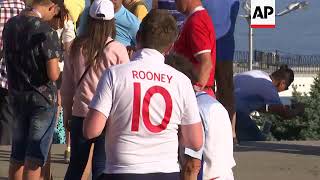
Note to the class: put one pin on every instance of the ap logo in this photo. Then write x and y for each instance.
(263, 14)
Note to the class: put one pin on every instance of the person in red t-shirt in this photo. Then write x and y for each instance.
(197, 43)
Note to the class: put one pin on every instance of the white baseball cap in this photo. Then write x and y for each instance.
(102, 10)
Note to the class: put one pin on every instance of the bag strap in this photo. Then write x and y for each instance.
(88, 67)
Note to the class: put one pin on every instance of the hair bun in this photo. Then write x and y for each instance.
(284, 67)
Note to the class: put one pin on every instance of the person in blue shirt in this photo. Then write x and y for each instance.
(258, 91)
(224, 14)
(127, 24)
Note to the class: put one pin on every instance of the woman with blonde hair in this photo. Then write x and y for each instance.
(90, 55)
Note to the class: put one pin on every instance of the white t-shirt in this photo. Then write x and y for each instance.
(145, 102)
(217, 152)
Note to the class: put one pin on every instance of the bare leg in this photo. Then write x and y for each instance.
(32, 170)
(225, 88)
(16, 171)
(87, 170)
(46, 170)
(233, 123)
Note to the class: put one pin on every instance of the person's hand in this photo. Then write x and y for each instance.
(191, 168)
(131, 50)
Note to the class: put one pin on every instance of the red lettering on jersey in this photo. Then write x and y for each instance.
(142, 75)
(145, 109)
(156, 76)
(163, 77)
(136, 107)
(152, 76)
(169, 78)
(149, 75)
(135, 75)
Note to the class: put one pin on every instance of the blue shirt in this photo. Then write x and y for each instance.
(220, 12)
(127, 26)
(170, 5)
(253, 90)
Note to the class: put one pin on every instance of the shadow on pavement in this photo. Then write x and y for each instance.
(278, 147)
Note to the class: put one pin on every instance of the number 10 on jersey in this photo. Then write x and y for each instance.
(145, 108)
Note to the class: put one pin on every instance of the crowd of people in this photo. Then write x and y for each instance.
(146, 88)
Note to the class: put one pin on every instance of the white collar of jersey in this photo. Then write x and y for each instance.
(148, 54)
(198, 8)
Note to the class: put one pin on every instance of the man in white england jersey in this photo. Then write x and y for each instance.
(142, 106)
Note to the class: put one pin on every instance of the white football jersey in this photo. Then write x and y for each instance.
(145, 102)
(217, 151)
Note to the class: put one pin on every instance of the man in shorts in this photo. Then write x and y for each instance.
(32, 52)
(143, 106)
(224, 15)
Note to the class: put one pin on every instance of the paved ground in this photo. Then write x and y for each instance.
(255, 161)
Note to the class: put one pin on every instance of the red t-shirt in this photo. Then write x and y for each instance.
(196, 37)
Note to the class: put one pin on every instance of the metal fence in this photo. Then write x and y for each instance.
(271, 61)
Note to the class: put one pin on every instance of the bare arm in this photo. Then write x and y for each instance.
(205, 68)
(53, 70)
(192, 136)
(94, 124)
(286, 112)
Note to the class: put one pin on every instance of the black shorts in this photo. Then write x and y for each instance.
(152, 176)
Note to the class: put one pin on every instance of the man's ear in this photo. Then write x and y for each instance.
(53, 7)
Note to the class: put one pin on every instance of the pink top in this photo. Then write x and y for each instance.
(80, 97)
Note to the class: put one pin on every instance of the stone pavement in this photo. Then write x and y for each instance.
(255, 161)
